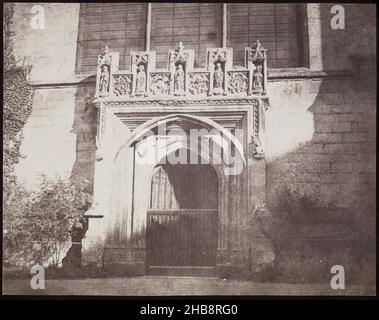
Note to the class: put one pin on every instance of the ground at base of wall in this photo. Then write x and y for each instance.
(175, 286)
(298, 273)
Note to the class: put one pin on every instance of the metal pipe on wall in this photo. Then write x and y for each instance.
(224, 26)
(148, 27)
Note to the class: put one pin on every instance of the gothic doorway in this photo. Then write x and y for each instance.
(182, 220)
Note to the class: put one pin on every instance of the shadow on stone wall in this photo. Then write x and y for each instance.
(82, 174)
(85, 129)
(322, 194)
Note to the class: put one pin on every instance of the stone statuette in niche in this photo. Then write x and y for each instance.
(141, 80)
(257, 79)
(218, 85)
(180, 63)
(257, 64)
(107, 63)
(104, 79)
(179, 80)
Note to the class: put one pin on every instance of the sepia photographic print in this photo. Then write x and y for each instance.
(189, 149)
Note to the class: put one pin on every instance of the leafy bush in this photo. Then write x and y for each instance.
(17, 106)
(39, 225)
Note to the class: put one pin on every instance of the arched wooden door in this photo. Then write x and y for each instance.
(183, 220)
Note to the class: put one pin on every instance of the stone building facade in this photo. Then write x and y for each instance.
(303, 96)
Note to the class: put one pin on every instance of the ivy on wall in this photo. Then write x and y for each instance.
(17, 102)
(37, 225)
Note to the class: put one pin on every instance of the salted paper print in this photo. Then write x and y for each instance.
(169, 149)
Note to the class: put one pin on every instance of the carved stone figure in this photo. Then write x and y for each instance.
(257, 79)
(218, 86)
(104, 80)
(258, 148)
(179, 80)
(140, 80)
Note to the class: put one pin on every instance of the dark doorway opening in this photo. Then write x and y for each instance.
(182, 224)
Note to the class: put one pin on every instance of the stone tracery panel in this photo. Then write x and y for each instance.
(160, 83)
(122, 85)
(238, 82)
(198, 84)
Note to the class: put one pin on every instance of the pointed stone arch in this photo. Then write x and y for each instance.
(224, 136)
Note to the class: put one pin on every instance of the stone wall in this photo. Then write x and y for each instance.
(321, 131)
(329, 151)
(49, 144)
(321, 148)
(52, 50)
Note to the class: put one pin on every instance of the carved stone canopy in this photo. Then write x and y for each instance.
(107, 63)
(257, 53)
(180, 79)
(181, 55)
(181, 85)
(140, 58)
(256, 62)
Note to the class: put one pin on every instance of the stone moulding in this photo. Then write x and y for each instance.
(254, 106)
(179, 102)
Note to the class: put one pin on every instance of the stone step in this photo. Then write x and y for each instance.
(195, 271)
